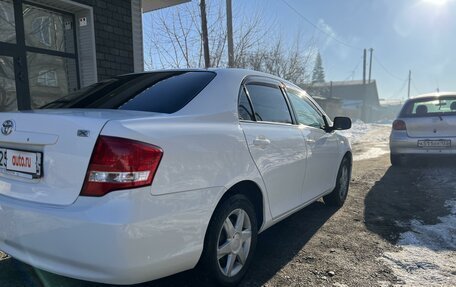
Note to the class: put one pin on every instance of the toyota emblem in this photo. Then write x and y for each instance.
(7, 127)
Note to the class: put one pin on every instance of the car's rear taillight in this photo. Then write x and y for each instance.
(399, 125)
(119, 163)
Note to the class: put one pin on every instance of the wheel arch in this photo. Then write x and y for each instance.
(253, 192)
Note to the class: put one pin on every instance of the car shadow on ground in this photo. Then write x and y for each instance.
(276, 247)
(416, 191)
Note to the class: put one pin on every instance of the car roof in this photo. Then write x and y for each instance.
(237, 72)
(434, 95)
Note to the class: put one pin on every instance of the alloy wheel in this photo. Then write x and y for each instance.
(234, 241)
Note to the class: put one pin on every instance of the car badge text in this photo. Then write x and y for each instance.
(83, 133)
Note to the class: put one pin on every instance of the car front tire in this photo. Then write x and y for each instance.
(230, 241)
(338, 196)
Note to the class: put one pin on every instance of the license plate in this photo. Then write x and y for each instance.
(20, 163)
(435, 143)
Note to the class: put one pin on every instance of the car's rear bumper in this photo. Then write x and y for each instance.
(401, 143)
(125, 237)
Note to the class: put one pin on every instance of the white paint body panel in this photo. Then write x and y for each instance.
(280, 154)
(322, 148)
(121, 238)
(137, 235)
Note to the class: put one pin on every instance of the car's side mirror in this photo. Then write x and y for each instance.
(341, 123)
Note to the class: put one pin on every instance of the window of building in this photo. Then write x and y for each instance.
(41, 30)
(48, 29)
(7, 24)
(47, 78)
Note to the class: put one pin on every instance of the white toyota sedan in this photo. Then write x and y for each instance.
(146, 175)
(426, 125)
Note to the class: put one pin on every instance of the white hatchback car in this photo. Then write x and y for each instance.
(426, 125)
(146, 175)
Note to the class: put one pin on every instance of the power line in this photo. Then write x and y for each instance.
(415, 88)
(353, 71)
(402, 88)
(387, 71)
(318, 28)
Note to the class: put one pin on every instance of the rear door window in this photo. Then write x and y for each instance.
(269, 104)
(244, 107)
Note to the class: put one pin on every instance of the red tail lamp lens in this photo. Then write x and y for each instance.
(399, 125)
(119, 163)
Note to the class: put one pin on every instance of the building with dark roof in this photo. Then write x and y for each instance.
(357, 100)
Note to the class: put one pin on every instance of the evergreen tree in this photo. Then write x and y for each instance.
(318, 74)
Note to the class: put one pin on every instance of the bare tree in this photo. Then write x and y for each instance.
(291, 63)
(175, 41)
(175, 37)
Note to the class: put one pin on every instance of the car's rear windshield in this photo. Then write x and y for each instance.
(429, 107)
(160, 92)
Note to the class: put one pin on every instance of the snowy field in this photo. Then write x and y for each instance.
(368, 140)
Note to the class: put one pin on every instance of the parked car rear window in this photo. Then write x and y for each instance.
(428, 107)
(160, 92)
(269, 104)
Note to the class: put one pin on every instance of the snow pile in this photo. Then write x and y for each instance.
(428, 252)
(368, 140)
(357, 131)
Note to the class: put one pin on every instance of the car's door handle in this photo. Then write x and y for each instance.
(261, 141)
(310, 141)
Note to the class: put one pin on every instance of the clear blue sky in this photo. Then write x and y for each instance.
(419, 35)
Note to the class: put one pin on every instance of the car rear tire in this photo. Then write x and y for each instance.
(230, 241)
(396, 160)
(339, 194)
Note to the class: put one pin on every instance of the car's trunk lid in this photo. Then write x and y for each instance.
(64, 139)
(431, 126)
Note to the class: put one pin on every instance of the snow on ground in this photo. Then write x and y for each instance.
(368, 140)
(427, 255)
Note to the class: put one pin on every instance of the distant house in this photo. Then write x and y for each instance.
(353, 98)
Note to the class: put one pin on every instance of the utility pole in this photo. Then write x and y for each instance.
(207, 60)
(363, 108)
(364, 66)
(229, 30)
(370, 64)
(409, 81)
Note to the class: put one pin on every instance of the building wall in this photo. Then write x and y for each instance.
(113, 36)
(61, 52)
